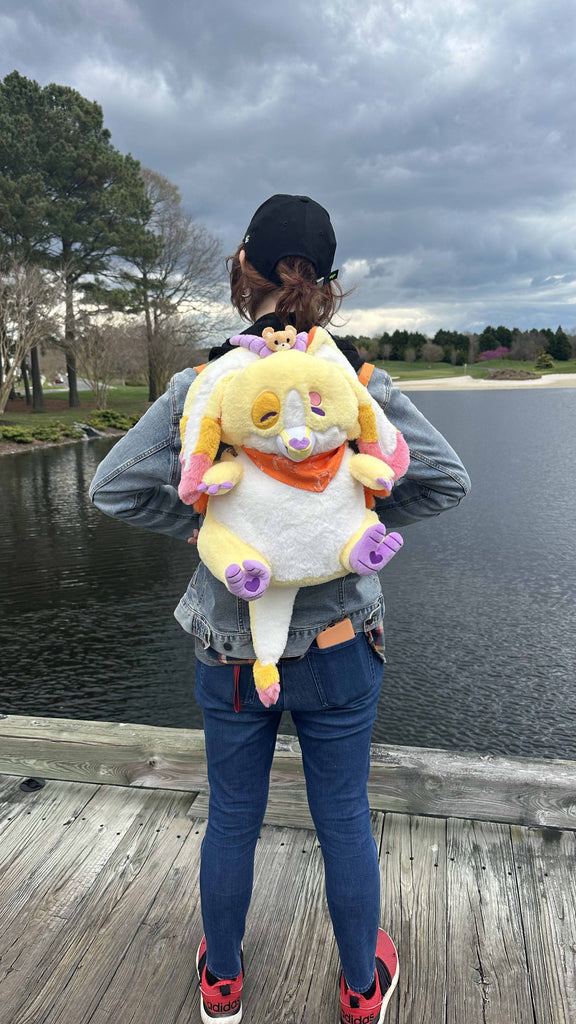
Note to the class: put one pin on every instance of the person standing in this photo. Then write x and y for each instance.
(282, 273)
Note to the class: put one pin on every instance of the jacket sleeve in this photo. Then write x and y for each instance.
(138, 479)
(436, 479)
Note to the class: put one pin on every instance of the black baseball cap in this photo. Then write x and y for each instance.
(291, 226)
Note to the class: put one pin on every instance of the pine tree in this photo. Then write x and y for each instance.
(559, 347)
(70, 201)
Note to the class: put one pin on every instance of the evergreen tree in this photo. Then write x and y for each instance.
(504, 337)
(443, 337)
(70, 200)
(488, 338)
(559, 347)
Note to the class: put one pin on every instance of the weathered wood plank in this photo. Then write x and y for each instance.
(100, 916)
(289, 952)
(319, 962)
(545, 861)
(79, 927)
(487, 970)
(113, 753)
(289, 930)
(408, 780)
(36, 824)
(157, 974)
(284, 808)
(9, 785)
(413, 872)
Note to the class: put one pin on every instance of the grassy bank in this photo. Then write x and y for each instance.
(420, 371)
(22, 429)
(129, 401)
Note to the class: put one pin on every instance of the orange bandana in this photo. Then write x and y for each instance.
(312, 474)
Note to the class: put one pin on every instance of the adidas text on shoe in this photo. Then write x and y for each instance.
(220, 1003)
(354, 1007)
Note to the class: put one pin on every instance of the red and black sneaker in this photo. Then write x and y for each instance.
(356, 1008)
(222, 1001)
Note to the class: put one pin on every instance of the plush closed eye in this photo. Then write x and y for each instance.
(266, 410)
(315, 403)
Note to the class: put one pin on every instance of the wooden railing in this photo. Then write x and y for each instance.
(412, 780)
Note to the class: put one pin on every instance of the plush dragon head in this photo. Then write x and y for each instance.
(292, 405)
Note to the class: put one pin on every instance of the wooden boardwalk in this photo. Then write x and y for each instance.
(100, 916)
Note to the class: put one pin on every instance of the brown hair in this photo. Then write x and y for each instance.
(301, 301)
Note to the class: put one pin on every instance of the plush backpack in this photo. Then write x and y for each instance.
(289, 503)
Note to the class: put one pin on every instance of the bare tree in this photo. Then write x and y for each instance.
(527, 345)
(131, 352)
(96, 349)
(178, 276)
(473, 347)
(178, 344)
(432, 353)
(27, 297)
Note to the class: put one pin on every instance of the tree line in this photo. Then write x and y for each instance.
(464, 348)
(97, 254)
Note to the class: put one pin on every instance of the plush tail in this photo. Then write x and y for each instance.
(270, 617)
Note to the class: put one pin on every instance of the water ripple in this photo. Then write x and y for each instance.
(481, 602)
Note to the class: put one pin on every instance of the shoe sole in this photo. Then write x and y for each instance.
(206, 1017)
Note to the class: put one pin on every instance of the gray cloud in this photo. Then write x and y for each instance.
(439, 136)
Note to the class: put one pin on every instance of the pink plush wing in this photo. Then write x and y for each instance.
(189, 488)
(398, 460)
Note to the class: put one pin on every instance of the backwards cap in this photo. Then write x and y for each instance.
(290, 226)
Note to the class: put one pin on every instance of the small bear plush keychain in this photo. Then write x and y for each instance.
(272, 341)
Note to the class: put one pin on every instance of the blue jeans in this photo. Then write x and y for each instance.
(332, 695)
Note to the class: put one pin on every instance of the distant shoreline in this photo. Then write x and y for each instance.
(466, 383)
(13, 448)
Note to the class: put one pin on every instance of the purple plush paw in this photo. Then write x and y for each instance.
(374, 550)
(248, 582)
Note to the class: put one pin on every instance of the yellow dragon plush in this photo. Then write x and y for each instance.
(287, 506)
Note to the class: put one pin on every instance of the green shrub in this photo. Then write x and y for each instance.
(544, 362)
(72, 432)
(46, 433)
(103, 418)
(21, 435)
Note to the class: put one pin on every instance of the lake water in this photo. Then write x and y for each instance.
(481, 602)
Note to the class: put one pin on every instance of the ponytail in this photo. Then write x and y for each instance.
(302, 302)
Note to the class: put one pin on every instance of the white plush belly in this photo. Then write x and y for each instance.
(301, 533)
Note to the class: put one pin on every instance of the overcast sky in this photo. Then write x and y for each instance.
(440, 134)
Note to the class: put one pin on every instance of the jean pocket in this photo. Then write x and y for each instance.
(346, 672)
(215, 685)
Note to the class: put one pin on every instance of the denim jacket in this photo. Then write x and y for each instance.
(138, 482)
